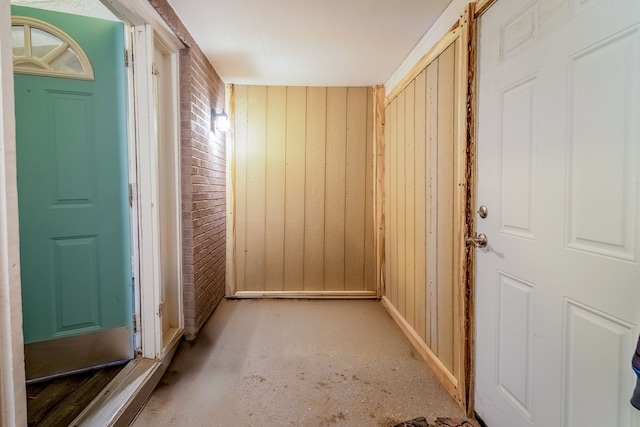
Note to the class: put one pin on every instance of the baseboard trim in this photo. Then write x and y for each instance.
(306, 294)
(449, 382)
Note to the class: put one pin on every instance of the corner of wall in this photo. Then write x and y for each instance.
(449, 17)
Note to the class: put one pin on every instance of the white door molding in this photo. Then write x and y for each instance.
(148, 28)
(146, 182)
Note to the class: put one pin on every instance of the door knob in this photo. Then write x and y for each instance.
(479, 241)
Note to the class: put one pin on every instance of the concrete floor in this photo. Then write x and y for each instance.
(300, 363)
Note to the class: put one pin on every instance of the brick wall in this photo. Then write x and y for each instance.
(203, 179)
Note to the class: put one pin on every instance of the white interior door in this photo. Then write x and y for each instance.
(558, 286)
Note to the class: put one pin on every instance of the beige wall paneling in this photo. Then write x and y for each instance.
(402, 204)
(356, 189)
(315, 188)
(276, 128)
(304, 181)
(446, 278)
(240, 179)
(370, 211)
(255, 250)
(336, 154)
(431, 213)
(426, 159)
(391, 136)
(410, 204)
(420, 206)
(230, 247)
(296, 103)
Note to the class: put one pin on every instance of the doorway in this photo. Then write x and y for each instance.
(72, 187)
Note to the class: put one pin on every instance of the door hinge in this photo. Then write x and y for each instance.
(134, 320)
(128, 58)
(160, 308)
(130, 195)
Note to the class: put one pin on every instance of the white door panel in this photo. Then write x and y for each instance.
(558, 287)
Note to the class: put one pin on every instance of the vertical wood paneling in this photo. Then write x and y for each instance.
(315, 188)
(446, 214)
(240, 132)
(256, 178)
(275, 186)
(402, 205)
(392, 155)
(356, 184)
(428, 120)
(335, 188)
(370, 268)
(410, 166)
(304, 172)
(420, 208)
(295, 188)
(432, 204)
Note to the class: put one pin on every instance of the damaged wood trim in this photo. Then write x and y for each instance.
(481, 6)
(467, 159)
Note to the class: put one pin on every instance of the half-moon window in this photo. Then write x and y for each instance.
(40, 48)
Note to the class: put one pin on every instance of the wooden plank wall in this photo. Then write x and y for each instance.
(304, 214)
(422, 250)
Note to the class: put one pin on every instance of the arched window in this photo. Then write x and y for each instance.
(40, 48)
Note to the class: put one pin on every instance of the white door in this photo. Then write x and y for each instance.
(558, 286)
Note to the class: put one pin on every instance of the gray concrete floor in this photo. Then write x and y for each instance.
(298, 363)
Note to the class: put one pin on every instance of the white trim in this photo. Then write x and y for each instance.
(13, 409)
(172, 92)
(140, 12)
(149, 249)
(146, 26)
(443, 24)
(146, 142)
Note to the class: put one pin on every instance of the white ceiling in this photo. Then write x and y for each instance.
(305, 42)
(295, 42)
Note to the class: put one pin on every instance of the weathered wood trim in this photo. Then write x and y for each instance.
(427, 59)
(379, 179)
(465, 215)
(447, 379)
(481, 6)
(231, 194)
(468, 272)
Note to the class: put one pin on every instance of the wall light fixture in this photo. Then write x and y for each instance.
(221, 121)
